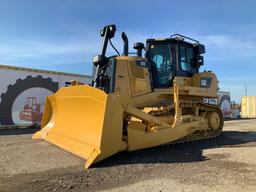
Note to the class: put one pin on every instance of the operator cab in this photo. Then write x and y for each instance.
(175, 56)
(165, 59)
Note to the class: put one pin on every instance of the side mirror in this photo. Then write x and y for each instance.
(200, 48)
(199, 59)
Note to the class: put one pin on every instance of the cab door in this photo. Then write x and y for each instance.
(162, 59)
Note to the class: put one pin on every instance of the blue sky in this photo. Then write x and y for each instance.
(63, 35)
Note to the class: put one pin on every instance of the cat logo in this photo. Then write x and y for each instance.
(205, 82)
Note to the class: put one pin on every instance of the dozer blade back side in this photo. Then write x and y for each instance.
(85, 121)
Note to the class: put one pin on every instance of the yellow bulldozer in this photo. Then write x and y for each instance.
(134, 101)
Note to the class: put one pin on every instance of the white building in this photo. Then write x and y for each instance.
(23, 92)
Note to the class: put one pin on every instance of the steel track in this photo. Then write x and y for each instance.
(198, 135)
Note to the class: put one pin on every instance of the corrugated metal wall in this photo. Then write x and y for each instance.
(248, 107)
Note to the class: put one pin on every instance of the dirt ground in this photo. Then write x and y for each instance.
(227, 163)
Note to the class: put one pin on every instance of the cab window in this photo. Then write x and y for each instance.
(186, 56)
(161, 57)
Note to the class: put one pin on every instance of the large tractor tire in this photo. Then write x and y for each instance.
(13, 91)
(225, 100)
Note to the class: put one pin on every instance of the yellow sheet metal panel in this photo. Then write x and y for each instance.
(248, 107)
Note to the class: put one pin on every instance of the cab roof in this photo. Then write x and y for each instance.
(177, 38)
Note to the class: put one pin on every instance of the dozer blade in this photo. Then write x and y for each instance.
(85, 121)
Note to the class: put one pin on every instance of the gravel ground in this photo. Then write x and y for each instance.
(227, 163)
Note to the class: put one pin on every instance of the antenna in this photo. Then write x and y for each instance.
(245, 89)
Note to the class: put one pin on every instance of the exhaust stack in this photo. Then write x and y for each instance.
(126, 44)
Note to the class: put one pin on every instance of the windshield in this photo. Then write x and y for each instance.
(162, 63)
